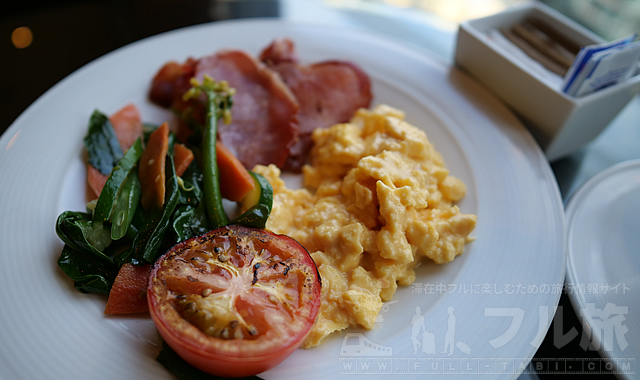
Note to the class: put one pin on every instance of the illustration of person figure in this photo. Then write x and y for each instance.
(417, 326)
(449, 337)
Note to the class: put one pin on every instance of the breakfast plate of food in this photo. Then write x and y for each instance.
(263, 198)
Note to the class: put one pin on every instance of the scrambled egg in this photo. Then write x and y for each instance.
(378, 199)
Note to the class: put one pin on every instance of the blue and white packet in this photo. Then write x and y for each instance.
(600, 66)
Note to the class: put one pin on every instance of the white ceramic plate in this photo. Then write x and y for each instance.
(502, 290)
(603, 266)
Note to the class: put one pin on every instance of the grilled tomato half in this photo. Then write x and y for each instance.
(235, 301)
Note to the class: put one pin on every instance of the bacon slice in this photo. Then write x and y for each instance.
(278, 103)
(264, 110)
(280, 50)
(264, 124)
(171, 81)
(328, 93)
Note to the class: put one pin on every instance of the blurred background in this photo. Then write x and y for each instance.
(42, 41)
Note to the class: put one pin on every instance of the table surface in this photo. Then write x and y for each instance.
(69, 34)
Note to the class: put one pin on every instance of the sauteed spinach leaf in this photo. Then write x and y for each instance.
(102, 144)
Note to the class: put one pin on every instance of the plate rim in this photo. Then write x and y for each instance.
(573, 205)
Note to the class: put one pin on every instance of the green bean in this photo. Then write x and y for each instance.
(125, 207)
(218, 106)
(106, 202)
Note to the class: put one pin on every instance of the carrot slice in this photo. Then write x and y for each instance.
(235, 180)
(182, 157)
(151, 168)
(128, 294)
(95, 179)
(127, 124)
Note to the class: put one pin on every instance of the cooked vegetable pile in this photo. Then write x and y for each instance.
(145, 207)
(225, 291)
